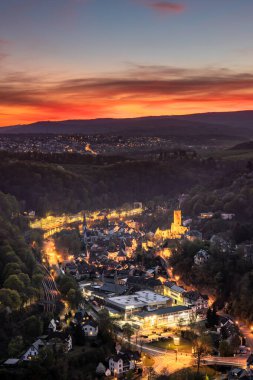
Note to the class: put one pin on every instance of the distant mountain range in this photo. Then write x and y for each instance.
(214, 124)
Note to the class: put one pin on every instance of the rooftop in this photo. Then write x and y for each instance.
(166, 310)
(138, 299)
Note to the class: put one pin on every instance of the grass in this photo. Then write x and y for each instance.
(168, 344)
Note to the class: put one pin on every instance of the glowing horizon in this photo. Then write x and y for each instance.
(88, 59)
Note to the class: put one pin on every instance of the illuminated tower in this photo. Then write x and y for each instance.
(177, 218)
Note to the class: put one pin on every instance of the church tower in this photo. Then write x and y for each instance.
(178, 218)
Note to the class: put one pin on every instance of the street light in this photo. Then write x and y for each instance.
(176, 351)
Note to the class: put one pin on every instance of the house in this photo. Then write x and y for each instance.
(247, 250)
(226, 216)
(123, 362)
(33, 350)
(227, 328)
(194, 298)
(201, 257)
(170, 289)
(206, 215)
(220, 243)
(53, 325)
(120, 364)
(193, 235)
(90, 328)
(140, 282)
(81, 316)
(64, 338)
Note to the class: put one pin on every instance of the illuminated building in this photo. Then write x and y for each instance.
(175, 292)
(90, 328)
(123, 362)
(165, 317)
(176, 231)
(138, 301)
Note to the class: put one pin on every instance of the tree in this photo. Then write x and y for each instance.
(11, 268)
(212, 317)
(128, 331)
(201, 346)
(225, 349)
(74, 297)
(235, 342)
(33, 326)
(14, 283)
(106, 326)
(15, 346)
(37, 280)
(68, 241)
(10, 298)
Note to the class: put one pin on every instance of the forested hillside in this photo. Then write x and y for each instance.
(20, 274)
(67, 187)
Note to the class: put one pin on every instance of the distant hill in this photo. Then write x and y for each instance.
(248, 145)
(220, 123)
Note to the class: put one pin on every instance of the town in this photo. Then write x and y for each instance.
(110, 279)
(97, 144)
(126, 190)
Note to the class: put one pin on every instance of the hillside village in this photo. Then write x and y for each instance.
(130, 293)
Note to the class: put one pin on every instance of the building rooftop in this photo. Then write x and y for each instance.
(177, 289)
(139, 299)
(166, 310)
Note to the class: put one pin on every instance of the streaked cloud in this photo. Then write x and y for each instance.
(139, 90)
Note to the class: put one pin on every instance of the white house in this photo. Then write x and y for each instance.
(226, 216)
(33, 350)
(52, 325)
(120, 364)
(201, 257)
(194, 298)
(90, 328)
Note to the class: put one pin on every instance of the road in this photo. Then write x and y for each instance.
(237, 361)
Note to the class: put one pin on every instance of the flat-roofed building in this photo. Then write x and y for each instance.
(138, 301)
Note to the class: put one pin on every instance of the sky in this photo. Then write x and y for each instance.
(85, 59)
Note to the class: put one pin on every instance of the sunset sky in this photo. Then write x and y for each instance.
(74, 59)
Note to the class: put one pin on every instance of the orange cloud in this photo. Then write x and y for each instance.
(139, 91)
